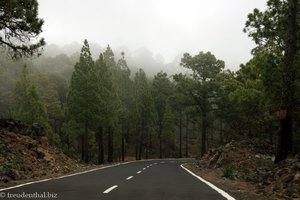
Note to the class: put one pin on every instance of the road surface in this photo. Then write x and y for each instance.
(143, 180)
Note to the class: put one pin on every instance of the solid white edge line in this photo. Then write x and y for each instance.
(128, 178)
(223, 193)
(110, 189)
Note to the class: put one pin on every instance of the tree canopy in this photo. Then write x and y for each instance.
(20, 27)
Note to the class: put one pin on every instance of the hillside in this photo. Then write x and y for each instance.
(247, 169)
(25, 154)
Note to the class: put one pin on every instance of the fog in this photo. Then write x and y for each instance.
(161, 29)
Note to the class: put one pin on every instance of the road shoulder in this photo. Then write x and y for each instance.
(238, 189)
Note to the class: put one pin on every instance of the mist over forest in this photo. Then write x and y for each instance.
(143, 58)
(175, 80)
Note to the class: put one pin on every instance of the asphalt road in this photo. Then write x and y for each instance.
(143, 180)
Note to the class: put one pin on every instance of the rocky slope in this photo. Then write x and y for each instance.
(25, 154)
(250, 163)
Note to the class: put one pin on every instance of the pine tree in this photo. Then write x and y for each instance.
(201, 85)
(125, 91)
(144, 109)
(162, 90)
(19, 27)
(107, 107)
(168, 133)
(28, 105)
(112, 102)
(82, 97)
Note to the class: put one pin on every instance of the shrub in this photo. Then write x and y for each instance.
(228, 173)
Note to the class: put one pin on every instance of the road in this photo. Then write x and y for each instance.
(143, 180)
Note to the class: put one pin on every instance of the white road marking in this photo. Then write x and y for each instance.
(223, 193)
(74, 174)
(110, 189)
(139, 172)
(148, 166)
(130, 177)
(151, 165)
(65, 176)
(162, 162)
(144, 168)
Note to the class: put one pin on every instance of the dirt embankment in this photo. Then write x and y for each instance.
(246, 170)
(25, 155)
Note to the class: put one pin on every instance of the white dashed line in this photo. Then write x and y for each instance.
(130, 177)
(139, 172)
(144, 168)
(110, 189)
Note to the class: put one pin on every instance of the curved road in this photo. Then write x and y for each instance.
(142, 180)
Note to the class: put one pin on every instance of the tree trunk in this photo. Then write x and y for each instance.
(150, 143)
(221, 133)
(141, 142)
(137, 143)
(187, 138)
(204, 129)
(160, 140)
(110, 152)
(180, 137)
(285, 143)
(123, 145)
(86, 143)
(100, 146)
(147, 144)
(82, 147)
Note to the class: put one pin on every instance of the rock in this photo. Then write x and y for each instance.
(13, 174)
(40, 153)
(297, 166)
(31, 145)
(43, 140)
(288, 178)
(297, 176)
(38, 130)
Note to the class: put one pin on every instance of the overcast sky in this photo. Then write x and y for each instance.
(166, 27)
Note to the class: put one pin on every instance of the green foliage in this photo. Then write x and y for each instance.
(107, 105)
(19, 27)
(168, 133)
(125, 90)
(28, 105)
(143, 98)
(82, 95)
(205, 66)
(162, 91)
(82, 100)
(202, 86)
(228, 173)
(268, 28)
(275, 33)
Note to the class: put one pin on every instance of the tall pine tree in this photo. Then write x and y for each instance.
(82, 97)
(28, 105)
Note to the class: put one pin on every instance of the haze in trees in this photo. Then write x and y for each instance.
(103, 105)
